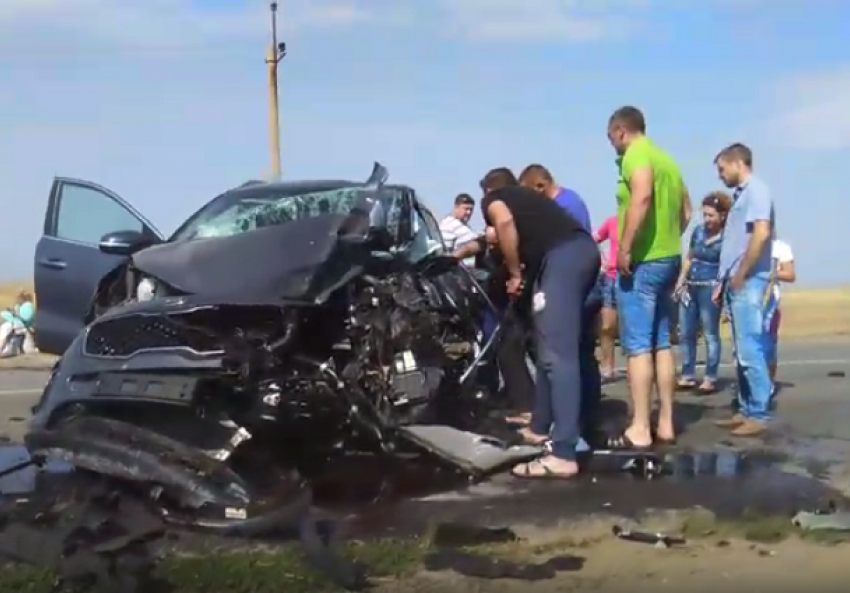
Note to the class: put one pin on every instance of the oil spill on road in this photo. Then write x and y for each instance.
(373, 499)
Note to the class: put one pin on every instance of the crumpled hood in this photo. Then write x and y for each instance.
(301, 260)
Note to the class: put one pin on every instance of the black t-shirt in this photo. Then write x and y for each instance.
(541, 223)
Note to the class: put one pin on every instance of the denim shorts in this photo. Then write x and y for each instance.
(608, 289)
(646, 307)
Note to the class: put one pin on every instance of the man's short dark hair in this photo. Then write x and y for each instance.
(464, 200)
(536, 170)
(737, 152)
(498, 178)
(630, 118)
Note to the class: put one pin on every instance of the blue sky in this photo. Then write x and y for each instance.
(166, 102)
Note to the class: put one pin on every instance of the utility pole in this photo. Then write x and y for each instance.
(277, 52)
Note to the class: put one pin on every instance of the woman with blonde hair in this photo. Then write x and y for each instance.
(694, 290)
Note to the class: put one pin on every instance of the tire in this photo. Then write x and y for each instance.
(198, 492)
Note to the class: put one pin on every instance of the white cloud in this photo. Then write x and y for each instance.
(814, 112)
(66, 25)
(568, 21)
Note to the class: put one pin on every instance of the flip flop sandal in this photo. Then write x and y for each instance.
(519, 420)
(707, 389)
(656, 440)
(548, 472)
(624, 443)
(686, 384)
(530, 438)
(606, 378)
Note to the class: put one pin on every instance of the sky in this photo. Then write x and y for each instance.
(166, 102)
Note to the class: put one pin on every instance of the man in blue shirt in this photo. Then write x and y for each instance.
(744, 285)
(540, 179)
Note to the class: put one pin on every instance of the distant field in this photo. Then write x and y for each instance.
(805, 314)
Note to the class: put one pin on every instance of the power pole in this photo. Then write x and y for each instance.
(277, 52)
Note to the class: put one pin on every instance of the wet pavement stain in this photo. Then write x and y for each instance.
(368, 498)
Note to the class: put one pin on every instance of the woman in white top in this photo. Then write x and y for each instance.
(783, 272)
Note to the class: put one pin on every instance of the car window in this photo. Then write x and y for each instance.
(427, 238)
(86, 214)
(268, 205)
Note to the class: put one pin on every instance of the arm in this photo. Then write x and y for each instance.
(759, 216)
(470, 248)
(641, 182)
(602, 234)
(686, 269)
(506, 234)
(687, 211)
(786, 272)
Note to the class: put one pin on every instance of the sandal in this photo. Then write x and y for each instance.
(707, 388)
(523, 419)
(657, 440)
(684, 384)
(546, 473)
(624, 443)
(532, 438)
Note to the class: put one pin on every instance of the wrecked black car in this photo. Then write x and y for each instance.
(280, 320)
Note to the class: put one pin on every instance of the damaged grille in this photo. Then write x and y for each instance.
(125, 336)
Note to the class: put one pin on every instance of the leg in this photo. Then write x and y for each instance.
(773, 344)
(689, 321)
(591, 379)
(747, 308)
(5, 334)
(640, 332)
(518, 383)
(665, 273)
(564, 285)
(710, 317)
(608, 332)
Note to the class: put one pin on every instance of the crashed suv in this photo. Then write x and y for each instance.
(281, 322)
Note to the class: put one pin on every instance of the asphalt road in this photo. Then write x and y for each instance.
(811, 400)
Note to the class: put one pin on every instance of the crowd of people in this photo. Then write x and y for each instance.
(551, 281)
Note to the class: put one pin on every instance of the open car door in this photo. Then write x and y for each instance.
(68, 262)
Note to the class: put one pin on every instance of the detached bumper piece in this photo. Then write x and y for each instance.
(89, 536)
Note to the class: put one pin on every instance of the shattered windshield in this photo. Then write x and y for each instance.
(242, 211)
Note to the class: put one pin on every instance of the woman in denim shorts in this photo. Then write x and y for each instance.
(694, 290)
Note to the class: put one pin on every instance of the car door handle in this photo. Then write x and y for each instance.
(56, 264)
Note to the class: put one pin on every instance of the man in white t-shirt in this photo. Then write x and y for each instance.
(783, 272)
(455, 227)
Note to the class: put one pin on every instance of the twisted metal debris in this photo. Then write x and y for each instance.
(97, 535)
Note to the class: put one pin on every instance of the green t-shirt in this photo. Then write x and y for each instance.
(660, 235)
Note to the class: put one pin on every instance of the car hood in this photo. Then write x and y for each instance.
(302, 260)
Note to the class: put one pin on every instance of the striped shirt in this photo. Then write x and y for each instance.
(456, 233)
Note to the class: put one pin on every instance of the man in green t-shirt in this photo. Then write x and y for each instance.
(653, 210)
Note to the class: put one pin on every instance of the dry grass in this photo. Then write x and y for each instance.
(805, 313)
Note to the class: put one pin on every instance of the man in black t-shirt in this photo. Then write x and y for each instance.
(550, 252)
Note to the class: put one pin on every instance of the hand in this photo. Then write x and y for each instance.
(717, 294)
(737, 282)
(624, 263)
(514, 286)
(679, 290)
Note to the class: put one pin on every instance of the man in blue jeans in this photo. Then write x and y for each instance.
(544, 246)
(744, 284)
(540, 179)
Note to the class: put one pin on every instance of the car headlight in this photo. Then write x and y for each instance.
(146, 290)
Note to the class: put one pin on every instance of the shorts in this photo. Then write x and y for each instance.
(646, 307)
(608, 290)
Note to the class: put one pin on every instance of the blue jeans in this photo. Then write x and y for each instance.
(700, 308)
(646, 306)
(746, 311)
(559, 304)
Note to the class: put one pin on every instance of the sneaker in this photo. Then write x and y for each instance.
(733, 422)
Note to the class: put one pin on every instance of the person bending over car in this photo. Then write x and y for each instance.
(548, 250)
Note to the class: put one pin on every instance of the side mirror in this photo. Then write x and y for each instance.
(124, 242)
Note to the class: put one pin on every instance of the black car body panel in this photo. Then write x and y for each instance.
(301, 260)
